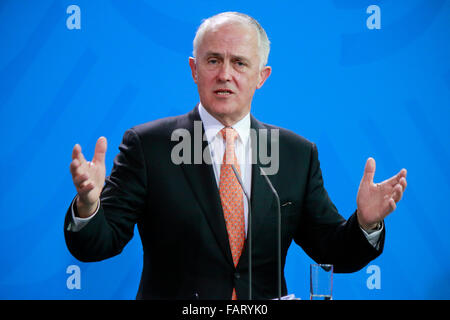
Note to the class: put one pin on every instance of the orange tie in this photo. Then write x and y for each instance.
(232, 199)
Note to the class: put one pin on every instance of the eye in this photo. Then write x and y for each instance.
(240, 64)
(213, 61)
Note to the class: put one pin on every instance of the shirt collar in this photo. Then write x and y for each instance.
(213, 126)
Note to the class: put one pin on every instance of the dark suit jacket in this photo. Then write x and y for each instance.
(180, 219)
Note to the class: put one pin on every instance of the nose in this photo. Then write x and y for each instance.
(225, 73)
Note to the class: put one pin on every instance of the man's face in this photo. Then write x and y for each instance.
(226, 70)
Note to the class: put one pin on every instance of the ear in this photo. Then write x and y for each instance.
(263, 75)
(193, 68)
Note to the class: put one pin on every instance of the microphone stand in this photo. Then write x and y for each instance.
(249, 233)
(250, 230)
(278, 231)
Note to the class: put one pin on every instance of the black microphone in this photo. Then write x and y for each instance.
(249, 232)
(278, 231)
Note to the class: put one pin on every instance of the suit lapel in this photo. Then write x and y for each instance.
(203, 183)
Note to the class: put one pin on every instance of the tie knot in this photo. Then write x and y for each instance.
(229, 134)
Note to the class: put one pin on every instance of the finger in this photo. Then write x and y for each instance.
(85, 188)
(403, 173)
(76, 151)
(392, 181)
(77, 168)
(87, 184)
(392, 205)
(79, 179)
(74, 165)
(81, 158)
(100, 150)
(403, 183)
(369, 170)
(397, 193)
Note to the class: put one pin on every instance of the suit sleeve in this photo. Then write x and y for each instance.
(122, 202)
(325, 235)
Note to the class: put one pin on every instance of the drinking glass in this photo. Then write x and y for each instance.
(321, 281)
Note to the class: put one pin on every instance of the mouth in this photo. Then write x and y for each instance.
(223, 92)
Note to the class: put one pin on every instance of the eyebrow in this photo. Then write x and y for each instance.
(219, 55)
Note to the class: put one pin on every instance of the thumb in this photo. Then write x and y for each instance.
(369, 170)
(100, 150)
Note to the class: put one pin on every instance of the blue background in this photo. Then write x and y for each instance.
(355, 92)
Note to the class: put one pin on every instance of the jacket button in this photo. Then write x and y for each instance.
(237, 275)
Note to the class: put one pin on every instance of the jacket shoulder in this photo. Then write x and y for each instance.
(290, 139)
(162, 129)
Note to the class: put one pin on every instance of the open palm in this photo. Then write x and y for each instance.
(377, 200)
(88, 176)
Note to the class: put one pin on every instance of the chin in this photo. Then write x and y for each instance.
(227, 112)
(222, 109)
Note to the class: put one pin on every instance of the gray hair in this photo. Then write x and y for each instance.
(263, 40)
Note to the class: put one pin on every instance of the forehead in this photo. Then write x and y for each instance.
(230, 37)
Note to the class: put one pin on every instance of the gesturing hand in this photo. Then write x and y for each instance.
(88, 177)
(376, 201)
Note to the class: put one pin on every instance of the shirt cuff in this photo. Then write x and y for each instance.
(373, 236)
(77, 223)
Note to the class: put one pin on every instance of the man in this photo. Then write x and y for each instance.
(193, 217)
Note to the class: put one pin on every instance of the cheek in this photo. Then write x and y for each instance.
(205, 79)
(248, 85)
(202, 83)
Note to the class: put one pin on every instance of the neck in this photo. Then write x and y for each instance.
(227, 120)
